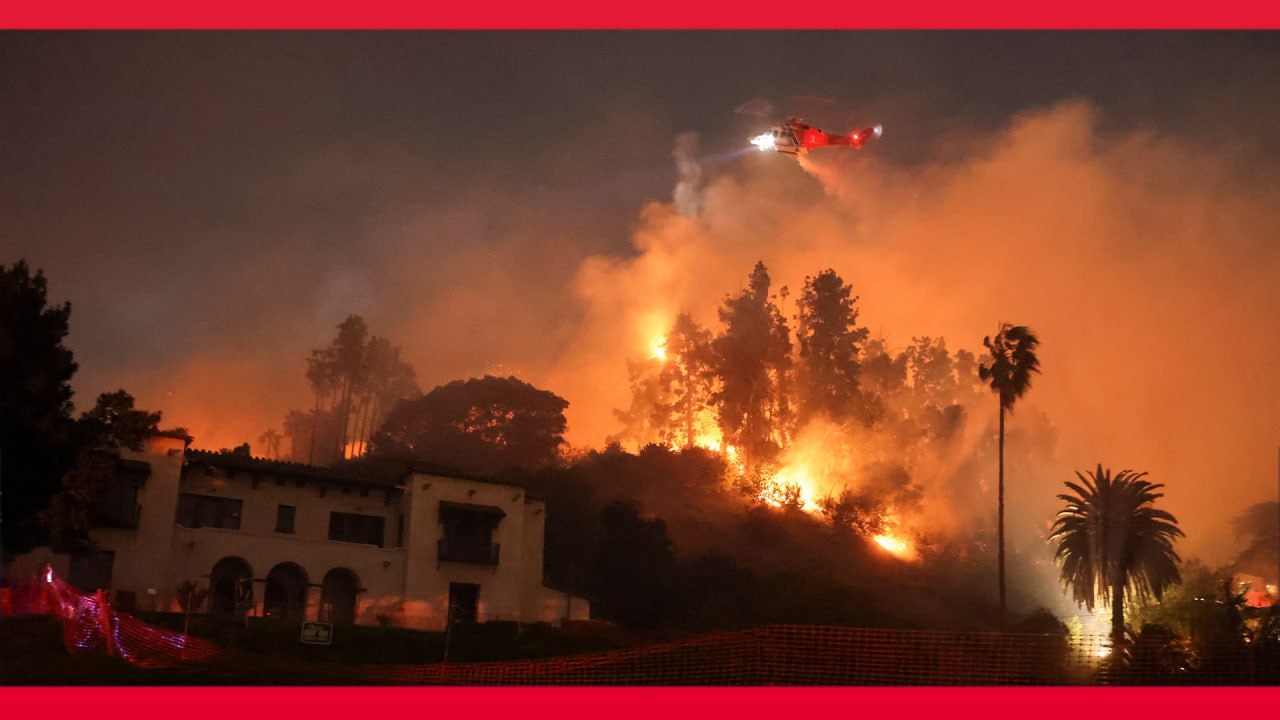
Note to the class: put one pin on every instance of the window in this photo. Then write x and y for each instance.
(468, 533)
(284, 518)
(195, 511)
(400, 531)
(119, 508)
(349, 527)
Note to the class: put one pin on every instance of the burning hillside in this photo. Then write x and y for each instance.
(824, 419)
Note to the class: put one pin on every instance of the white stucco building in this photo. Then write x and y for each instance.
(307, 543)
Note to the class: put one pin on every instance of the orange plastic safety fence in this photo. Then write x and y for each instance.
(774, 655)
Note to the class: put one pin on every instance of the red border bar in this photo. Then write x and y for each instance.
(198, 703)
(650, 14)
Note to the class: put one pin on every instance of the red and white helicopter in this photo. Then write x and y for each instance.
(794, 137)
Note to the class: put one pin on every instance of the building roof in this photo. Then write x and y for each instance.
(375, 472)
(279, 468)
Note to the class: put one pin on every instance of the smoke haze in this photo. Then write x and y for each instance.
(1139, 243)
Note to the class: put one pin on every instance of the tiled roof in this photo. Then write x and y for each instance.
(374, 472)
(280, 468)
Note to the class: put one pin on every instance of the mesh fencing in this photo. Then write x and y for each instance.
(772, 655)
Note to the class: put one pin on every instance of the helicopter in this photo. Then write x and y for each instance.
(795, 137)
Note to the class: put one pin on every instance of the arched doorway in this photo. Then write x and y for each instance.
(231, 586)
(286, 593)
(338, 597)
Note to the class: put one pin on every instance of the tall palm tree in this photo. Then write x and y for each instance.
(1010, 365)
(270, 439)
(1113, 542)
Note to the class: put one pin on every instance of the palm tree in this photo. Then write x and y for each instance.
(271, 440)
(1111, 541)
(1008, 369)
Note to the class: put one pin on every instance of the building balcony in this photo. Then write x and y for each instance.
(473, 553)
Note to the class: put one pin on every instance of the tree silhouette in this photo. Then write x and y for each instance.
(828, 335)
(1112, 542)
(356, 380)
(1257, 531)
(1010, 365)
(115, 423)
(685, 381)
(270, 440)
(634, 568)
(482, 426)
(671, 390)
(85, 498)
(883, 379)
(752, 358)
(35, 401)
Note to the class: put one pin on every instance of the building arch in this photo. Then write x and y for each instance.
(230, 586)
(338, 596)
(285, 594)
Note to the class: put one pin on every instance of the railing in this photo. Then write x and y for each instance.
(475, 553)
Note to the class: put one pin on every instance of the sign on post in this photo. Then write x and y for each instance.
(317, 633)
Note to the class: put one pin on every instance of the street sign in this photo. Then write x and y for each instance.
(317, 633)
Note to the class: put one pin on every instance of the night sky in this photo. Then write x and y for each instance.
(214, 204)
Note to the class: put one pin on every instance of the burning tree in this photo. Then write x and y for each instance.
(685, 382)
(836, 424)
(672, 390)
(829, 337)
(752, 359)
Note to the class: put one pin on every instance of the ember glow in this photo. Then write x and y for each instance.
(658, 350)
(799, 477)
(895, 545)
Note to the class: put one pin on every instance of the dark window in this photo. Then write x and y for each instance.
(400, 531)
(349, 527)
(196, 511)
(468, 533)
(119, 508)
(284, 518)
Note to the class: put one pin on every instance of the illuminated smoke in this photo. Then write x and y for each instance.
(689, 173)
(1132, 256)
(1146, 263)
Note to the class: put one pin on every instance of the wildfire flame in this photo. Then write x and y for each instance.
(799, 476)
(816, 464)
(896, 545)
(658, 349)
